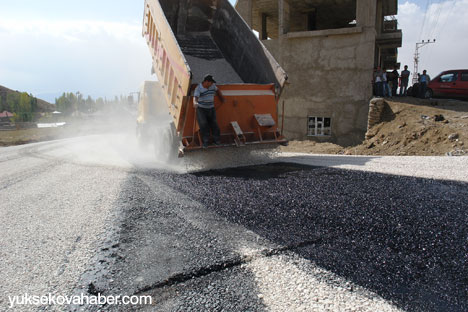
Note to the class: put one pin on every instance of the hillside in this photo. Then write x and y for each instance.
(411, 127)
(42, 106)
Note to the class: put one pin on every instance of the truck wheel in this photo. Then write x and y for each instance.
(166, 145)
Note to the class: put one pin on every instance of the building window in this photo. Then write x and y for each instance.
(319, 126)
(322, 15)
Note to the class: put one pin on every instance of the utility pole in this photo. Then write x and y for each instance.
(419, 45)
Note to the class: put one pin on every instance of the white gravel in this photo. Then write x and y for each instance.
(53, 214)
(290, 283)
(432, 167)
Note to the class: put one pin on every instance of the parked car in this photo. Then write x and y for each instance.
(450, 83)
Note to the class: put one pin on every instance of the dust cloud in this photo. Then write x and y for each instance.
(113, 138)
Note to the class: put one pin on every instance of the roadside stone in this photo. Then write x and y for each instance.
(376, 108)
(456, 152)
(453, 136)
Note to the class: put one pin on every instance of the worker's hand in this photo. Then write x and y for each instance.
(220, 95)
(195, 104)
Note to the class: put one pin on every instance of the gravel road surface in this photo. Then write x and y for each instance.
(303, 233)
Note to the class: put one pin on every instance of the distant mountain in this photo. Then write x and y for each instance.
(42, 106)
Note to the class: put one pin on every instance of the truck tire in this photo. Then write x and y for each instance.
(166, 143)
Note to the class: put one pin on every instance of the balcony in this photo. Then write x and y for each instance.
(391, 36)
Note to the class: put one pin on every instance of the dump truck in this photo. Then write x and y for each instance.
(189, 39)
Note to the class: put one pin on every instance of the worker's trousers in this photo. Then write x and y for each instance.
(206, 118)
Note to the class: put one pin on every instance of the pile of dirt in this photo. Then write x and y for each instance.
(411, 127)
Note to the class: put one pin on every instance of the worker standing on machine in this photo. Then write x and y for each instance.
(203, 102)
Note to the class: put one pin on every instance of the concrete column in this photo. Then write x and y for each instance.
(379, 17)
(366, 11)
(283, 17)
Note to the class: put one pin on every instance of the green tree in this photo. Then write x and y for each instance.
(12, 102)
(64, 104)
(33, 103)
(22, 105)
(25, 107)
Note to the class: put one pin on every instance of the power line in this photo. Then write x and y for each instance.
(447, 18)
(439, 30)
(424, 20)
(434, 28)
(439, 10)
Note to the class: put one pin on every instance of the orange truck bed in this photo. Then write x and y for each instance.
(247, 116)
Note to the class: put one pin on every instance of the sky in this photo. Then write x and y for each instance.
(52, 46)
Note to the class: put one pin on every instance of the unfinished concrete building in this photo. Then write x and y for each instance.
(329, 49)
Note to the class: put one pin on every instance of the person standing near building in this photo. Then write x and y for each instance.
(203, 102)
(378, 82)
(394, 81)
(386, 87)
(423, 81)
(404, 80)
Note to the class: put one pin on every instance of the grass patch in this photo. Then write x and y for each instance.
(24, 136)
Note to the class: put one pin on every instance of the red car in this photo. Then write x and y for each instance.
(450, 83)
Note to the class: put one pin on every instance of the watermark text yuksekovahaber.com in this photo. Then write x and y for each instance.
(52, 299)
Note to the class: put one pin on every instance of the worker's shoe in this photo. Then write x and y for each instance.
(217, 143)
(205, 145)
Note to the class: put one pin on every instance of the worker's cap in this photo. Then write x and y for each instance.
(209, 78)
